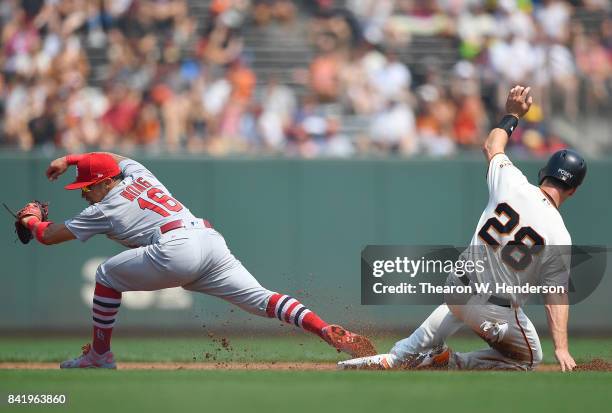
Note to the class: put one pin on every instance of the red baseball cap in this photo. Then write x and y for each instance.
(93, 168)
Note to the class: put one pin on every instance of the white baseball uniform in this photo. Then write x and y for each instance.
(169, 246)
(517, 213)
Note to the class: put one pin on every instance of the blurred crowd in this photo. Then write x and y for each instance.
(149, 75)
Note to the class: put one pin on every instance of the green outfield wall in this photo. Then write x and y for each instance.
(298, 226)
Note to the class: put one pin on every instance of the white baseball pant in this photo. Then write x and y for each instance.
(513, 340)
(195, 258)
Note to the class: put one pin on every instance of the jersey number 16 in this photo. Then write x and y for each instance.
(161, 204)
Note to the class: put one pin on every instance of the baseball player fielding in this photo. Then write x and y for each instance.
(167, 247)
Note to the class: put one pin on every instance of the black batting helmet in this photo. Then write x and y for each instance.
(566, 166)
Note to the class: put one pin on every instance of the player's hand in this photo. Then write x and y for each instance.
(24, 220)
(565, 360)
(519, 101)
(56, 168)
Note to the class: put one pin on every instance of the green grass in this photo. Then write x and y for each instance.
(292, 391)
(298, 347)
(268, 391)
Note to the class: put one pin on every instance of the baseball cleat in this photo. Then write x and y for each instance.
(435, 358)
(377, 362)
(350, 343)
(90, 359)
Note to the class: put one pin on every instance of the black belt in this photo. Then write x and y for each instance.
(502, 302)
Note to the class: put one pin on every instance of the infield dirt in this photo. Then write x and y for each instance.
(592, 365)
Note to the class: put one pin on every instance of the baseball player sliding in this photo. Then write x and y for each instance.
(518, 223)
(168, 247)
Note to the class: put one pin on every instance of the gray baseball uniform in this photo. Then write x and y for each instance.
(517, 213)
(170, 247)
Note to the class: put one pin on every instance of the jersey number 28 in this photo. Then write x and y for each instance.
(162, 202)
(516, 247)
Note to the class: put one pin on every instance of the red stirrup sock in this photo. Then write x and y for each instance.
(106, 302)
(291, 311)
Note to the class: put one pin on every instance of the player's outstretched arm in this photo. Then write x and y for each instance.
(517, 104)
(58, 166)
(557, 313)
(50, 234)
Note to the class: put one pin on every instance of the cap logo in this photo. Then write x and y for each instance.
(565, 174)
(100, 175)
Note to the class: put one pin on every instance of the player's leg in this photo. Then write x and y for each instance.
(433, 332)
(425, 346)
(237, 286)
(106, 302)
(154, 267)
(291, 311)
(513, 340)
(485, 359)
(228, 279)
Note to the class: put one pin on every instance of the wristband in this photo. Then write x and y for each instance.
(32, 223)
(39, 229)
(508, 123)
(73, 159)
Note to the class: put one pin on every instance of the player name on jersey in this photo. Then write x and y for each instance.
(136, 188)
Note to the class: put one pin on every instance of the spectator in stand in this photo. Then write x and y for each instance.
(161, 80)
(474, 25)
(357, 92)
(595, 63)
(242, 82)
(341, 23)
(606, 33)
(335, 144)
(148, 127)
(221, 47)
(372, 16)
(264, 11)
(120, 117)
(555, 70)
(554, 18)
(278, 107)
(308, 130)
(43, 128)
(470, 120)
(393, 129)
(513, 60)
(434, 121)
(324, 69)
(392, 78)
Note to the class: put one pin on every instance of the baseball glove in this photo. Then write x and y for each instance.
(35, 208)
